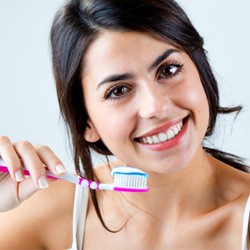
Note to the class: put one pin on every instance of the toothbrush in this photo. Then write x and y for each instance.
(126, 179)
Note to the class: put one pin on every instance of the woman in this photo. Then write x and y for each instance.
(133, 81)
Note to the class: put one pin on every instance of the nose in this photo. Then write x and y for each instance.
(153, 103)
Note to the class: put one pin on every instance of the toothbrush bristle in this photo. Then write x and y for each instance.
(128, 179)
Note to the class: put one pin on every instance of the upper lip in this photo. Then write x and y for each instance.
(162, 128)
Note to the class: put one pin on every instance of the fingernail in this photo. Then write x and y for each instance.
(42, 182)
(19, 176)
(60, 169)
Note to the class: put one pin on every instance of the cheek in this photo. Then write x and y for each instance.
(112, 123)
(197, 97)
(194, 99)
(113, 127)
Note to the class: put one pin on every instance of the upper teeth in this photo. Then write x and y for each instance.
(163, 136)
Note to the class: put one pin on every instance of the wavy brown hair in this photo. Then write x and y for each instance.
(80, 22)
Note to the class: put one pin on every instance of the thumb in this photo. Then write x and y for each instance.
(14, 193)
(27, 188)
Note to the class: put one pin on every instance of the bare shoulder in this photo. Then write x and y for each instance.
(43, 221)
(232, 184)
(239, 179)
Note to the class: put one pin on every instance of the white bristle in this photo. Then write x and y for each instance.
(124, 180)
(129, 179)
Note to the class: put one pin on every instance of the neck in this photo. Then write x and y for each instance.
(178, 195)
(172, 197)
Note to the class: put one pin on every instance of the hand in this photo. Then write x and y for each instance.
(15, 187)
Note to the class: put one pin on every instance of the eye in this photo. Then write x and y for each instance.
(117, 92)
(170, 70)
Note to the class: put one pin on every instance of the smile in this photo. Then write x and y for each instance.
(171, 133)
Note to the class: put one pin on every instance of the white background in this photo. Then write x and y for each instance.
(29, 109)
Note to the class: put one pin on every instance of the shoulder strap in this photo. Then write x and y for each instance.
(244, 245)
(79, 216)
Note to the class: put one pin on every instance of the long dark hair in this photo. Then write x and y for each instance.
(79, 22)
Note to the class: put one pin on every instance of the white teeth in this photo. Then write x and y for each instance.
(170, 134)
(175, 130)
(180, 125)
(161, 137)
(156, 139)
(150, 140)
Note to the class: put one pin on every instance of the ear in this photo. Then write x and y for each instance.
(91, 134)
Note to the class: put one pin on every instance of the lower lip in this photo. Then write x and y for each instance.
(175, 141)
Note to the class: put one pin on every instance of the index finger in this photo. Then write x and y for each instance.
(11, 158)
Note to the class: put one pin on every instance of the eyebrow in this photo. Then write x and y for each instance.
(128, 76)
(161, 58)
(116, 78)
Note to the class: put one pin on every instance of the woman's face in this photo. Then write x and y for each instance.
(145, 101)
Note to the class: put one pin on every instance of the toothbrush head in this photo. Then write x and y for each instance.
(128, 179)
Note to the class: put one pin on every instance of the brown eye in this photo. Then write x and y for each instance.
(170, 70)
(117, 92)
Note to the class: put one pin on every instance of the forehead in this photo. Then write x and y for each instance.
(114, 50)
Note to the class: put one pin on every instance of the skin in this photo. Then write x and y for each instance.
(195, 201)
(153, 100)
(146, 100)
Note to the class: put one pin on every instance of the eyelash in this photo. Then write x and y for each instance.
(178, 66)
(111, 91)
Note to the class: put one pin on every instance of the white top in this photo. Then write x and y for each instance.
(79, 216)
(80, 212)
(244, 244)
